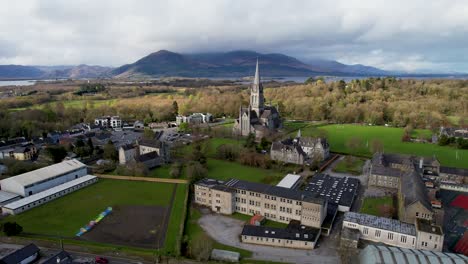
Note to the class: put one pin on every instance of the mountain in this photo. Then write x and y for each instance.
(234, 64)
(19, 72)
(53, 72)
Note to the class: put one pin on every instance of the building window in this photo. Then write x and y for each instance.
(390, 236)
(377, 233)
(365, 231)
(403, 239)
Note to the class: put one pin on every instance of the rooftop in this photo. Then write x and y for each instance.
(35, 197)
(384, 254)
(6, 196)
(307, 234)
(274, 191)
(289, 181)
(19, 255)
(336, 190)
(427, 226)
(380, 223)
(210, 183)
(46, 172)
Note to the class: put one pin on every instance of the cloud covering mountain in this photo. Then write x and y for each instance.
(392, 35)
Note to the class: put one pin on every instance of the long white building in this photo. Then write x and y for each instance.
(39, 180)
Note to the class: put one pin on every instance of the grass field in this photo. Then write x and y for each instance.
(371, 205)
(223, 170)
(349, 164)
(176, 221)
(268, 223)
(390, 137)
(160, 172)
(71, 103)
(64, 216)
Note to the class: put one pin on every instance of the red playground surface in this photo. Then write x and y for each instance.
(461, 202)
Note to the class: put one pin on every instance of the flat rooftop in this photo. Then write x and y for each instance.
(308, 234)
(340, 191)
(289, 181)
(380, 223)
(35, 197)
(6, 196)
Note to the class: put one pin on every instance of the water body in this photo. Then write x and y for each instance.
(18, 83)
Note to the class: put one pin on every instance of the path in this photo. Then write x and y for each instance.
(148, 179)
(226, 231)
(167, 216)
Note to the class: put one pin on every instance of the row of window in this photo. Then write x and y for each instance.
(272, 240)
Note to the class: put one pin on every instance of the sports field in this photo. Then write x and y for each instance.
(65, 216)
(390, 137)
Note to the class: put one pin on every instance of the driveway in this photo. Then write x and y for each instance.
(227, 230)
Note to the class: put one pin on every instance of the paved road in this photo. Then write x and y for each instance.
(226, 231)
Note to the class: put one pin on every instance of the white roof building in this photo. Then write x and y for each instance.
(290, 181)
(44, 178)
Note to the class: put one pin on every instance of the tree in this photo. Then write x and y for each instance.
(264, 144)
(148, 133)
(12, 229)
(90, 145)
(110, 152)
(250, 141)
(184, 128)
(195, 171)
(201, 247)
(376, 145)
(198, 154)
(227, 152)
(175, 108)
(176, 170)
(56, 153)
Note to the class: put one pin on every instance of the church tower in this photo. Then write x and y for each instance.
(256, 94)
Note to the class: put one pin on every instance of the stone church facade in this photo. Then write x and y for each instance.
(257, 118)
(300, 150)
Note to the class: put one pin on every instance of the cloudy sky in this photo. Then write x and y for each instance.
(408, 35)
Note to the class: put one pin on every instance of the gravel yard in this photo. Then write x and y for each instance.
(227, 230)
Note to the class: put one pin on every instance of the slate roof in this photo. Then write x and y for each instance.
(127, 146)
(455, 171)
(307, 234)
(153, 143)
(210, 183)
(274, 191)
(380, 223)
(341, 191)
(414, 190)
(20, 254)
(148, 156)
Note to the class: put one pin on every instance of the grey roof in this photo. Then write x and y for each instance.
(7, 196)
(380, 223)
(414, 190)
(337, 190)
(148, 156)
(383, 254)
(150, 143)
(20, 254)
(210, 183)
(127, 146)
(274, 191)
(427, 226)
(455, 171)
(307, 234)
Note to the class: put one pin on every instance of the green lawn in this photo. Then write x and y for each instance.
(269, 223)
(65, 216)
(349, 164)
(160, 172)
(176, 222)
(390, 137)
(223, 170)
(371, 205)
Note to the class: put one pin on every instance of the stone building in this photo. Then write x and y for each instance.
(257, 118)
(150, 152)
(300, 150)
(194, 119)
(422, 234)
(274, 203)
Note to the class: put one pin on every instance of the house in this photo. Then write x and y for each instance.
(154, 145)
(195, 119)
(127, 153)
(25, 255)
(257, 118)
(108, 121)
(454, 132)
(274, 203)
(152, 153)
(421, 234)
(300, 150)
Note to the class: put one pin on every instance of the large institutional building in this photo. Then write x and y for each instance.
(40, 186)
(275, 203)
(300, 150)
(420, 235)
(257, 118)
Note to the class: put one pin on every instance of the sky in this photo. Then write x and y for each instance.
(402, 35)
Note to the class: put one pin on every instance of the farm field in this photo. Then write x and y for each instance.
(390, 137)
(65, 216)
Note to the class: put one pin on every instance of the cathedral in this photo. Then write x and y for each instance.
(257, 118)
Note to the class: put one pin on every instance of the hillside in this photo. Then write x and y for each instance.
(19, 72)
(234, 64)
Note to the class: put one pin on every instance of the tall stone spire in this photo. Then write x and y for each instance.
(256, 93)
(257, 75)
(299, 133)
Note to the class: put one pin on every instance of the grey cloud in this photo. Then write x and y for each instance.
(410, 35)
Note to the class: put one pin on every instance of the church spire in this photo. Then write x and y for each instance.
(299, 133)
(257, 75)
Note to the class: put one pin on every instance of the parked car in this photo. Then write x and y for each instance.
(101, 260)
